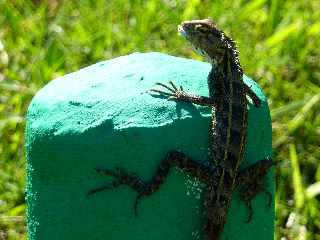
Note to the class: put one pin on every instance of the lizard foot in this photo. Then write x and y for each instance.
(110, 186)
(251, 181)
(249, 206)
(174, 93)
(123, 178)
(113, 185)
(250, 193)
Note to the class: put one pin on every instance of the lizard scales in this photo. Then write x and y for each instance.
(228, 99)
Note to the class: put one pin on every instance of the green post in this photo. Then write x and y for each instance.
(103, 116)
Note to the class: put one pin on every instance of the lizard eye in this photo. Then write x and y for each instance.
(202, 30)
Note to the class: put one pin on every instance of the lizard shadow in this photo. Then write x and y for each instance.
(187, 106)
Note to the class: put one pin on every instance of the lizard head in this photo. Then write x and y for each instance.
(207, 39)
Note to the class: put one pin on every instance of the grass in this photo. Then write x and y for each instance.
(279, 47)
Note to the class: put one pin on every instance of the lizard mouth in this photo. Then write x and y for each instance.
(181, 31)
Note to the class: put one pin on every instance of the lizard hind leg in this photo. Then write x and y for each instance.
(204, 172)
(251, 181)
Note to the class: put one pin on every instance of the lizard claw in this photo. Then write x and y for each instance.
(113, 185)
(136, 203)
(174, 86)
(172, 98)
(249, 206)
(174, 93)
(269, 195)
(117, 174)
(159, 91)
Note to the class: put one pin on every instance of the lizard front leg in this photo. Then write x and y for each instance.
(204, 172)
(256, 100)
(178, 94)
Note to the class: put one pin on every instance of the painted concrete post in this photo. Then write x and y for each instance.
(102, 116)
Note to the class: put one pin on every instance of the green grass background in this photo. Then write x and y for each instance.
(279, 47)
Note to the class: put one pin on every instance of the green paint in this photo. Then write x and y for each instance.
(102, 116)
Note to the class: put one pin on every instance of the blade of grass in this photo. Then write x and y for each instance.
(273, 15)
(313, 190)
(282, 34)
(249, 8)
(296, 177)
(314, 29)
(284, 110)
(298, 120)
(17, 88)
(189, 11)
(10, 119)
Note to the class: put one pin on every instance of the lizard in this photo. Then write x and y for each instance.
(228, 98)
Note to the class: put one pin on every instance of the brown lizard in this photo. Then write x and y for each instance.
(228, 99)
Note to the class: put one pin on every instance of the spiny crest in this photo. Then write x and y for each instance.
(232, 46)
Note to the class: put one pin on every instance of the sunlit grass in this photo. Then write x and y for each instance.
(279, 47)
